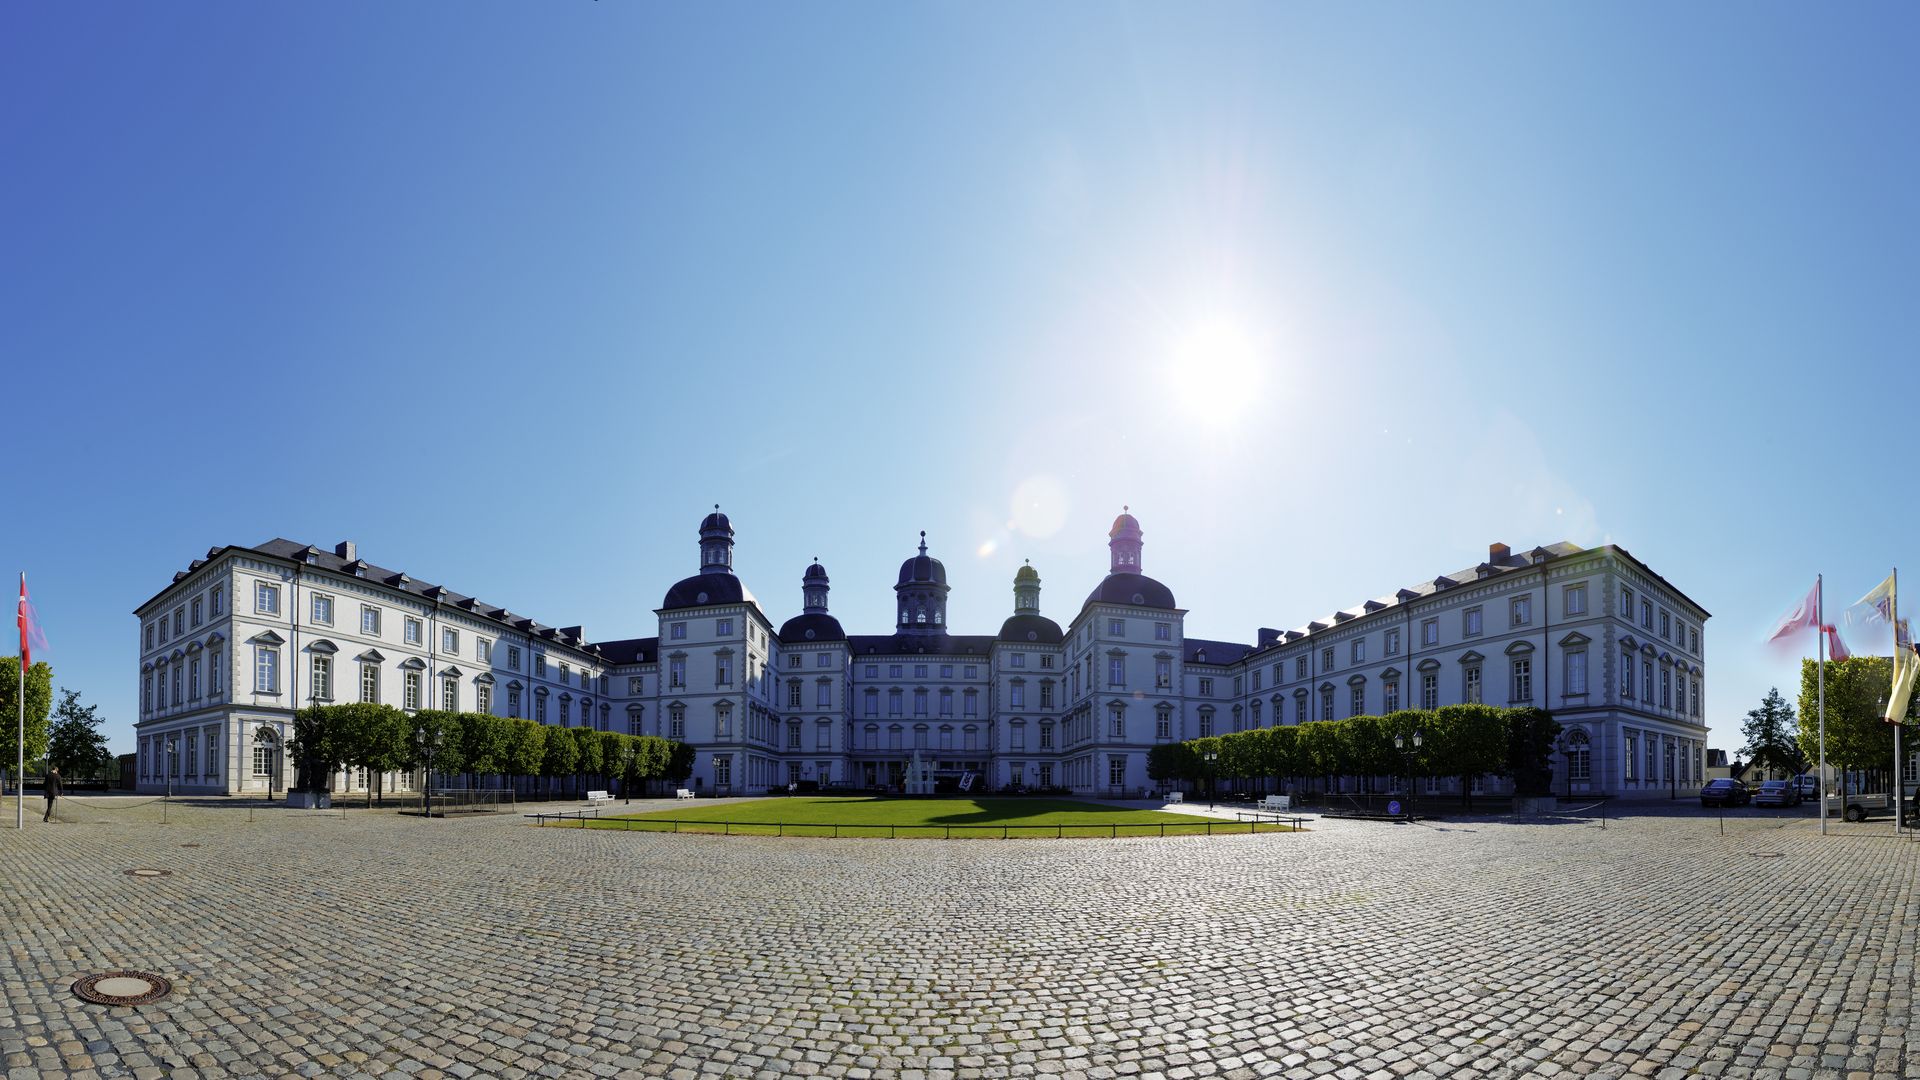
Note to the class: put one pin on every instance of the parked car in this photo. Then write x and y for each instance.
(1725, 793)
(1808, 785)
(1777, 793)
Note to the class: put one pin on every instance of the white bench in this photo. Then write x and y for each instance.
(1176, 796)
(1277, 803)
(599, 796)
(683, 793)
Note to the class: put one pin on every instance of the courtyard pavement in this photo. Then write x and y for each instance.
(371, 944)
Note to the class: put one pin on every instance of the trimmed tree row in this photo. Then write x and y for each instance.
(382, 739)
(1461, 741)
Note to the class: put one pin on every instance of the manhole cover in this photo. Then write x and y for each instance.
(147, 871)
(189, 845)
(122, 987)
(1766, 854)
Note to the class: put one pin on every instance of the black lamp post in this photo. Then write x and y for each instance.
(173, 760)
(427, 742)
(1210, 757)
(1409, 747)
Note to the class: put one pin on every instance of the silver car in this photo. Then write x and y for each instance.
(1777, 793)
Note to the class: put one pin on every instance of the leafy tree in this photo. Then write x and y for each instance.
(39, 697)
(1241, 754)
(74, 743)
(615, 749)
(1772, 735)
(562, 756)
(679, 762)
(438, 729)
(588, 759)
(1530, 737)
(483, 743)
(1281, 754)
(377, 738)
(1321, 752)
(315, 747)
(526, 747)
(1172, 761)
(1857, 736)
(1365, 749)
(1467, 741)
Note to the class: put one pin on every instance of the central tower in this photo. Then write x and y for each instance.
(921, 595)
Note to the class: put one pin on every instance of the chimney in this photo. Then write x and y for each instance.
(1268, 636)
(1497, 553)
(345, 550)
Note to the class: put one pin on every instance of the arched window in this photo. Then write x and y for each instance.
(1579, 755)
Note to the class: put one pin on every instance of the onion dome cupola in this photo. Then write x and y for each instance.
(1125, 584)
(813, 623)
(1027, 624)
(715, 583)
(921, 594)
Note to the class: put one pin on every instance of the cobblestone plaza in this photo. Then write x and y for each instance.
(371, 944)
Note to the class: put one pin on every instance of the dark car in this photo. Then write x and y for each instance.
(1725, 793)
(1777, 793)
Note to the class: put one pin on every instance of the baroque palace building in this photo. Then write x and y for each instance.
(243, 637)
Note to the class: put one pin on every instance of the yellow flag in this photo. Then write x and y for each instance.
(1881, 597)
(1906, 668)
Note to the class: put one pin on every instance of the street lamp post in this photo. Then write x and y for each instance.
(173, 758)
(1407, 754)
(1210, 757)
(428, 743)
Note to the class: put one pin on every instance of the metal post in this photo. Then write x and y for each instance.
(1820, 668)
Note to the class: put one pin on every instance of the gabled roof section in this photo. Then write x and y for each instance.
(1218, 652)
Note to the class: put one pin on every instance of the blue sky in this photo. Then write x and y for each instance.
(1332, 295)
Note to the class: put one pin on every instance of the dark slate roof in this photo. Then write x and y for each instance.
(282, 548)
(1493, 568)
(917, 644)
(923, 568)
(1138, 590)
(812, 626)
(1029, 627)
(1218, 652)
(715, 520)
(638, 650)
(716, 588)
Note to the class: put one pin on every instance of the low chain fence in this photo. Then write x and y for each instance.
(1251, 822)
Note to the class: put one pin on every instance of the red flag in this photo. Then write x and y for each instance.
(1836, 648)
(30, 635)
(1804, 616)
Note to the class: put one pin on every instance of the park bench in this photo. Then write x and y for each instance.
(683, 793)
(1176, 796)
(1277, 803)
(599, 796)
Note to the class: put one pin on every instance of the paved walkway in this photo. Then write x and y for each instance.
(370, 944)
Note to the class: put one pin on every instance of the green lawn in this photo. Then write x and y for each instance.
(956, 818)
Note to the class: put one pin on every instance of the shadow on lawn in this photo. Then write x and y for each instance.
(996, 811)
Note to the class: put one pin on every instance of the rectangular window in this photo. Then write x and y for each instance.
(483, 698)
(1646, 681)
(1046, 736)
(677, 631)
(369, 620)
(722, 627)
(266, 598)
(266, 670)
(449, 641)
(566, 674)
(196, 611)
(540, 664)
(1522, 610)
(412, 631)
(1357, 652)
(513, 704)
(920, 701)
(1470, 622)
(1300, 667)
(677, 674)
(214, 681)
(1472, 685)
(794, 660)
(179, 621)
(873, 671)
(1255, 675)
(1646, 614)
(1693, 641)
(823, 739)
(893, 671)
(322, 688)
(970, 701)
(1522, 680)
(540, 709)
(1326, 660)
(823, 660)
(1576, 676)
(1163, 674)
(1666, 688)
(410, 692)
(483, 650)
(217, 600)
(1574, 599)
(450, 695)
(723, 671)
(1430, 632)
(1626, 675)
(1116, 628)
(1390, 696)
(1046, 695)
(1116, 671)
(635, 685)
(149, 635)
(946, 702)
(1163, 725)
(1206, 723)
(1326, 704)
(919, 671)
(676, 723)
(1206, 687)
(723, 770)
(1017, 695)
(513, 659)
(1696, 697)
(262, 760)
(370, 683)
(1018, 660)
(872, 699)
(895, 703)
(1359, 702)
(823, 694)
(1046, 662)
(1633, 757)
(1393, 643)
(1116, 771)
(1117, 723)
(946, 671)
(322, 609)
(193, 679)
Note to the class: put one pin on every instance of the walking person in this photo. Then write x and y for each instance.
(52, 786)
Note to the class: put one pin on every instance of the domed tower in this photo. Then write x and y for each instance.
(716, 543)
(921, 595)
(1026, 624)
(813, 588)
(813, 623)
(1123, 541)
(1026, 590)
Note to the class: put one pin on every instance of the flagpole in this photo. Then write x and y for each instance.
(1820, 669)
(20, 746)
(1899, 781)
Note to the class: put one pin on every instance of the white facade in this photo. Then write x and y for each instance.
(246, 635)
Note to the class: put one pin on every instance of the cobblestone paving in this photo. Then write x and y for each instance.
(379, 945)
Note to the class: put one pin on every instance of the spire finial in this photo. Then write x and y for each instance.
(716, 506)
(923, 541)
(1124, 508)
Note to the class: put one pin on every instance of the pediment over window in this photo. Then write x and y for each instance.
(1300, 693)
(636, 709)
(1574, 640)
(144, 668)
(1648, 649)
(413, 663)
(514, 685)
(1628, 642)
(1326, 686)
(1471, 657)
(371, 656)
(1116, 652)
(1390, 673)
(485, 678)
(162, 662)
(266, 637)
(1429, 664)
(193, 648)
(1206, 710)
(214, 639)
(1520, 648)
(1357, 680)
(1666, 658)
(322, 645)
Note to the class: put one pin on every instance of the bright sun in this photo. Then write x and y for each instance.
(1216, 370)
